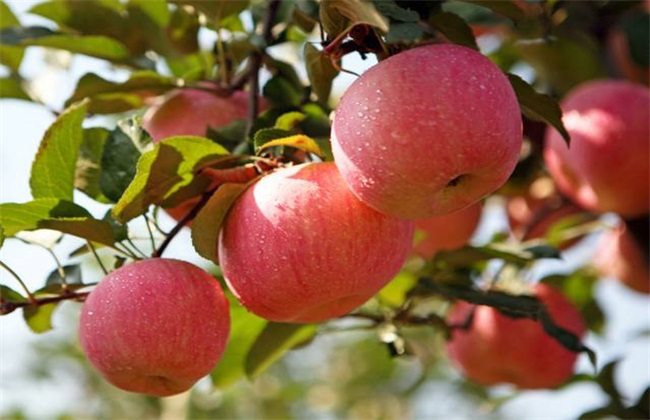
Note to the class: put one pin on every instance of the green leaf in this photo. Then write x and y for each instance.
(53, 170)
(89, 163)
(107, 97)
(282, 92)
(393, 11)
(245, 327)
(2, 236)
(163, 171)
(274, 341)
(10, 56)
(395, 292)
(289, 120)
(72, 274)
(454, 28)
(636, 27)
(404, 32)
(543, 251)
(339, 16)
(11, 88)
(39, 318)
(118, 164)
(537, 106)
(216, 10)
(207, 224)
(55, 214)
(298, 141)
(508, 9)
(9, 295)
(320, 71)
(93, 46)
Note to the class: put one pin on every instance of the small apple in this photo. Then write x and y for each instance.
(298, 246)
(449, 231)
(155, 326)
(497, 349)
(619, 256)
(428, 131)
(607, 166)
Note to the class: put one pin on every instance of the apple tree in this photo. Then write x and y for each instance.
(231, 204)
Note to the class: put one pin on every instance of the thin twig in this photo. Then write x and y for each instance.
(29, 294)
(8, 307)
(92, 249)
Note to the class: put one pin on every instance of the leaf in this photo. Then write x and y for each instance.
(72, 274)
(289, 120)
(537, 106)
(282, 92)
(392, 10)
(107, 97)
(245, 327)
(9, 295)
(118, 164)
(395, 292)
(207, 224)
(320, 72)
(55, 214)
(54, 167)
(404, 32)
(39, 318)
(163, 171)
(338, 16)
(2, 236)
(89, 163)
(454, 28)
(11, 88)
(275, 340)
(298, 141)
(10, 56)
(216, 9)
(512, 10)
(93, 46)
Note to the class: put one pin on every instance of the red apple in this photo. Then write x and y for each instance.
(189, 112)
(155, 326)
(428, 131)
(619, 256)
(497, 349)
(449, 231)
(298, 246)
(607, 166)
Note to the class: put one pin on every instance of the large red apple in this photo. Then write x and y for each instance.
(449, 231)
(428, 131)
(298, 246)
(498, 349)
(607, 166)
(619, 256)
(155, 326)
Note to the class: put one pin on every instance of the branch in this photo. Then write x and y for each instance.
(8, 307)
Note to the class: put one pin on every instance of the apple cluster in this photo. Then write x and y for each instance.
(418, 141)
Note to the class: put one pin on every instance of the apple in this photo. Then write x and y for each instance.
(190, 112)
(298, 246)
(607, 165)
(155, 326)
(428, 131)
(619, 256)
(497, 349)
(449, 231)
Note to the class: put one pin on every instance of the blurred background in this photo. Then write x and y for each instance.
(340, 374)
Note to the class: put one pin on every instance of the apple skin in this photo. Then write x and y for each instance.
(449, 231)
(189, 112)
(155, 326)
(497, 349)
(619, 256)
(298, 246)
(607, 165)
(428, 131)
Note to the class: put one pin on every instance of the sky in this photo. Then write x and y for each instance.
(22, 126)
